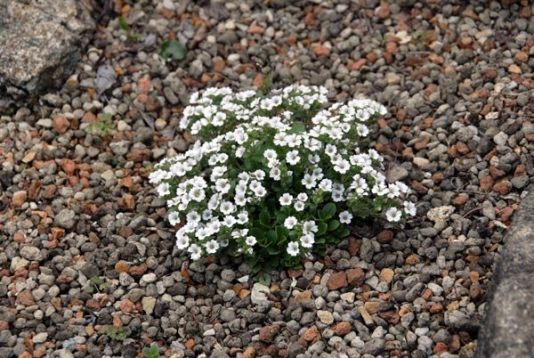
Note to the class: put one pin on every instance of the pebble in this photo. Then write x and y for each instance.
(325, 316)
(31, 253)
(65, 219)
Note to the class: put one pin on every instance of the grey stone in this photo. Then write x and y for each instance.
(65, 219)
(40, 43)
(227, 315)
(397, 173)
(508, 328)
(31, 253)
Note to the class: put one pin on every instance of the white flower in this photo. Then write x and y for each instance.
(239, 152)
(307, 241)
(174, 218)
(337, 196)
(163, 189)
(309, 181)
(362, 130)
(330, 150)
(309, 227)
(182, 241)
(410, 208)
(270, 154)
(218, 119)
(206, 215)
(299, 206)
(292, 157)
(286, 199)
(342, 166)
(212, 246)
(393, 214)
(197, 194)
(194, 251)
(302, 197)
(193, 217)
(260, 192)
(325, 185)
(227, 208)
(345, 217)
(242, 217)
(229, 221)
(275, 173)
(250, 240)
(290, 222)
(293, 248)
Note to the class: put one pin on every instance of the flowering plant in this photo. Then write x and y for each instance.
(275, 177)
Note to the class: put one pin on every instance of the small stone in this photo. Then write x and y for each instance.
(227, 315)
(503, 187)
(18, 263)
(366, 316)
(65, 219)
(348, 297)
(60, 124)
(355, 276)
(372, 306)
(337, 280)
(121, 266)
(19, 198)
(384, 236)
(320, 50)
(519, 182)
(342, 328)
(397, 173)
(148, 304)
(40, 338)
(500, 138)
(25, 298)
(31, 253)
(148, 278)
(209, 332)
(421, 162)
(268, 333)
(311, 335)
(228, 275)
(325, 317)
(259, 293)
(515, 69)
(441, 213)
(386, 275)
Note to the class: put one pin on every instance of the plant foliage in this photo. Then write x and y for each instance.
(275, 176)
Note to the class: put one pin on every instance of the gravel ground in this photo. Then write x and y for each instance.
(87, 261)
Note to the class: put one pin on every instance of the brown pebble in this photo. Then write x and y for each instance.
(337, 280)
(355, 276)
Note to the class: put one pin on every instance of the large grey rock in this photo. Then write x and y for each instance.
(508, 330)
(40, 44)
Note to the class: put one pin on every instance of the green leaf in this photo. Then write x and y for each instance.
(271, 238)
(265, 217)
(264, 278)
(343, 232)
(333, 225)
(173, 50)
(273, 250)
(322, 227)
(151, 352)
(123, 24)
(298, 127)
(328, 211)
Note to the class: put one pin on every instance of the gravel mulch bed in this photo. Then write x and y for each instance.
(87, 260)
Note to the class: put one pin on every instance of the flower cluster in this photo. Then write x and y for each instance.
(276, 176)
